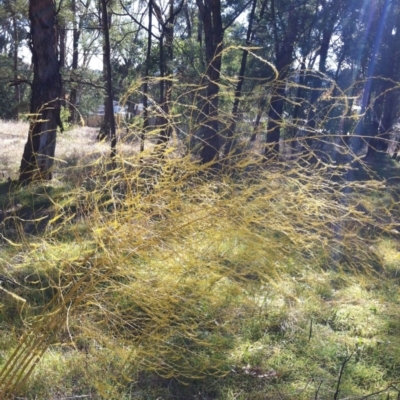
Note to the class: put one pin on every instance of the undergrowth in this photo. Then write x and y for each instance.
(159, 279)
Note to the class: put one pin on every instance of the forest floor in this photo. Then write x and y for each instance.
(151, 282)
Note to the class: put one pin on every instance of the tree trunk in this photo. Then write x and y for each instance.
(105, 127)
(76, 33)
(328, 30)
(387, 96)
(284, 57)
(166, 58)
(298, 114)
(238, 91)
(357, 141)
(38, 156)
(187, 18)
(210, 12)
(62, 43)
(16, 87)
(110, 97)
(261, 107)
(146, 80)
(275, 120)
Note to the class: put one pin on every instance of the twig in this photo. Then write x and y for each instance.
(67, 323)
(18, 81)
(346, 360)
(319, 387)
(381, 391)
(89, 83)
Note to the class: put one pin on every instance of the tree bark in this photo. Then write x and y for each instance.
(166, 58)
(146, 80)
(105, 127)
(187, 18)
(386, 102)
(210, 13)
(76, 33)
(239, 86)
(62, 32)
(284, 57)
(110, 97)
(327, 32)
(38, 157)
(16, 87)
(357, 141)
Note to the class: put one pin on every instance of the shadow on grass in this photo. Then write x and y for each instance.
(26, 210)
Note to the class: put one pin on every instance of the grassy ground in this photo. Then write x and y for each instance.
(151, 282)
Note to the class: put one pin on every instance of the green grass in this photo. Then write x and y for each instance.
(256, 287)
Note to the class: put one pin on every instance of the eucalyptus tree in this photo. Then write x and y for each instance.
(166, 57)
(79, 32)
(250, 34)
(107, 126)
(211, 18)
(214, 23)
(107, 63)
(384, 104)
(38, 156)
(286, 23)
(327, 14)
(374, 57)
(76, 33)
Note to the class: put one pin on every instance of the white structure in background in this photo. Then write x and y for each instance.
(94, 120)
(121, 113)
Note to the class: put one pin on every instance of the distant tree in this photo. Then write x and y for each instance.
(76, 33)
(108, 75)
(105, 23)
(285, 23)
(384, 109)
(7, 98)
(12, 22)
(146, 78)
(165, 63)
(38, 156)
(369, 124)
(326, 25)
(239, 86)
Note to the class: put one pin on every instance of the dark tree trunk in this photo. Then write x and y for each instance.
(76, 33)
(284, 58)
(107, 58)
(38, 156)
(62, 39)
(166, 58)
(275, 120)
(210, 13)
(298, 113)
(329, 26)
(146, 80)
(257, 122)
(238, 92)
(187, 18)
(360, 129)
(105, 127)
(16, 87)
(387, 96)
(284, 61)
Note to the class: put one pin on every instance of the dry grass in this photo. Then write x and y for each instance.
(13, 137)
(75, 146)
(155, 281)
